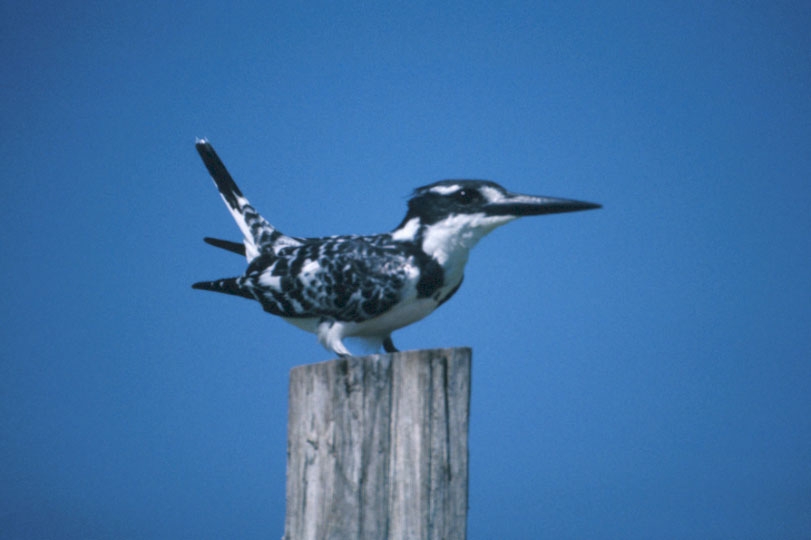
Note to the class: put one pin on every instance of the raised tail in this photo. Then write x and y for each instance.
(258, 233)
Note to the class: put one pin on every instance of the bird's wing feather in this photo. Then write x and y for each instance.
(234, 247)
(342, 279)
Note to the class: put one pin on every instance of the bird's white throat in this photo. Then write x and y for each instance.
(450, 240)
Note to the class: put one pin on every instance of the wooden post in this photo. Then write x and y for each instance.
(377, 447)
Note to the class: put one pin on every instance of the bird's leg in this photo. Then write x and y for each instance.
(388, 345)
(330, 335)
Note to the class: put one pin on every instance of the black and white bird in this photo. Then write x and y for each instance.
(368, 286)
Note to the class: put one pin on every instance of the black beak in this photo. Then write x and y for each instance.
(518, 205)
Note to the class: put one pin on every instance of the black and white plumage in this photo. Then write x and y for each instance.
(368, 286)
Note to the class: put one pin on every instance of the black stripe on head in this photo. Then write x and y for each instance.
(436, 201)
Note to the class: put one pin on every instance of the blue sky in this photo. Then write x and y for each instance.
(640, 371)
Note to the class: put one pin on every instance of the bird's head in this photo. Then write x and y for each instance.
(437, 201)
(450, 216)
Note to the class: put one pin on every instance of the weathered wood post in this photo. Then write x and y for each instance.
(377, 447)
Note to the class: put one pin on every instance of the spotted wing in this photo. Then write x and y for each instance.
(342, 279)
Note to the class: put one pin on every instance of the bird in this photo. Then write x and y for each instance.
(367, 286)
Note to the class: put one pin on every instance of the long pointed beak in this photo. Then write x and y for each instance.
(529, 205)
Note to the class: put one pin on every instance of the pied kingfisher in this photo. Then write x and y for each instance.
(368, 286)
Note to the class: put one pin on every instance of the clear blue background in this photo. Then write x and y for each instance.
(640, 371)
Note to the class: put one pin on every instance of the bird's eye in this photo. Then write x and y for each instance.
(466, 196)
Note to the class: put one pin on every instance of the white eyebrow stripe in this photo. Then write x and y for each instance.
(446, 190)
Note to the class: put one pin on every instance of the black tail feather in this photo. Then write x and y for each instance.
(219, 173)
